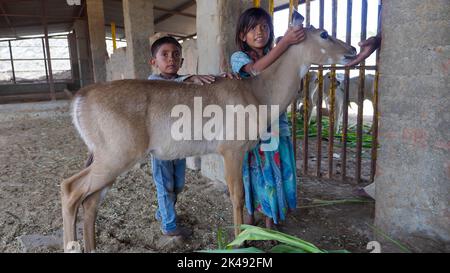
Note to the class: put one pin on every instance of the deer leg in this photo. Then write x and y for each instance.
(89, 182)
(233, 176)
(71, 198)
(90, 205)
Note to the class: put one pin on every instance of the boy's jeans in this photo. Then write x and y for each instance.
(169, 180)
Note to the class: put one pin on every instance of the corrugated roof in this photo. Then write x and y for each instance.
(25, 17)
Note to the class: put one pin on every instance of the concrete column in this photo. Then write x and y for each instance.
(96, 21)
(216, 24)
(72, 41)
(139, 27)
(190, 56)
(84, 62)
(413, 172)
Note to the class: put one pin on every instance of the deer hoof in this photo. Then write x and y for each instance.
(73, 247)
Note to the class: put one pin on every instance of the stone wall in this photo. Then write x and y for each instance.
(413, 172)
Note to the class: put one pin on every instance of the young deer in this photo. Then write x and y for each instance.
(122, 121)
(352, 93)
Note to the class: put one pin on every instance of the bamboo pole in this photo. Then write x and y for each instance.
(113, 34)
(293, 4)
(332, 97)
(320, 99)
(348, 40)
(359, 129)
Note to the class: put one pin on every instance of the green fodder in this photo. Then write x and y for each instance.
(313, 132)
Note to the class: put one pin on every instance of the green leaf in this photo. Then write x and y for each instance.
(282, 248)
(221, 239)
(235, 250)
(252, 233)
(338, 251)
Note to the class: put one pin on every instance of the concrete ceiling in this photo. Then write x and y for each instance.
(25, 17)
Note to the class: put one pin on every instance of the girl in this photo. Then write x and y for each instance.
(269, 176)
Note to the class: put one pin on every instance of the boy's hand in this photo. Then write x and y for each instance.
(367, 48)
(231, 76)
(294, 35)
(201, 79)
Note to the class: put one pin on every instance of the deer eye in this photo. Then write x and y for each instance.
(324, 35)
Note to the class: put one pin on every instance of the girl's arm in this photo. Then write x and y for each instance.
(293, 35)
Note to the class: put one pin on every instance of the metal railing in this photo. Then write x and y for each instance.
(332, 169)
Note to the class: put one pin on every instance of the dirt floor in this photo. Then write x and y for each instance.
(38, 150)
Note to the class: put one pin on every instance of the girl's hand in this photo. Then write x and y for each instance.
(231, 76)
(294, 35)
(201, 79)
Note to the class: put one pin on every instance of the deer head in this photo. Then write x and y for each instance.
(323, 49)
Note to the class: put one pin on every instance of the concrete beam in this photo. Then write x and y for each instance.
(178, 9)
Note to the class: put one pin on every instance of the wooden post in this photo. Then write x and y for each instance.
(359, 132)
(346, 95)
(320, 99)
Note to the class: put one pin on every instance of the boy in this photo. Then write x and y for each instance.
(166, 56)
(169, 175)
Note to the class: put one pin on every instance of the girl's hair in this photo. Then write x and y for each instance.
(248, 20)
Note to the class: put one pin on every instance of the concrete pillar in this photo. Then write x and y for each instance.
(96, 21)
(190, 56)
(216, 24)
(82, 46)
(72, 42)
(139, 27)
(413, 172)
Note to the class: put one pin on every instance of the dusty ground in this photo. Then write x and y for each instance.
(38, 151)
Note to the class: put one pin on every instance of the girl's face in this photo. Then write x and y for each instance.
(258, 37)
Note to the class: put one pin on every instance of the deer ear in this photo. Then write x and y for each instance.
(297, 19)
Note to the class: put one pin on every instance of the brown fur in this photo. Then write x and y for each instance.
(122, 121)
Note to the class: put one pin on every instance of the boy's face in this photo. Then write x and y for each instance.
(258, 37)
(168, 59)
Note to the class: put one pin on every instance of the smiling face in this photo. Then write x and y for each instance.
(168, 60)
(258, 37)
(254, 31)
